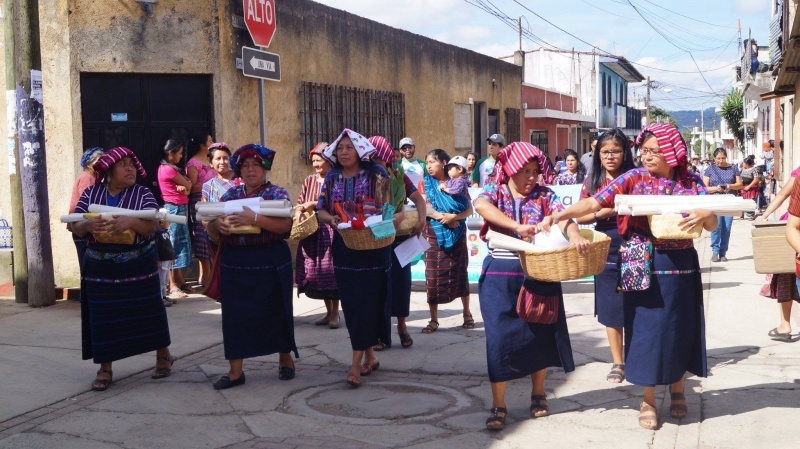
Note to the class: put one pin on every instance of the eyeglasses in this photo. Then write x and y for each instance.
(646, 151)
(609, 154)
(405, 147)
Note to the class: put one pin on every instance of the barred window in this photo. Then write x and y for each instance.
(512, 125)
(539, 139)
(326, 110)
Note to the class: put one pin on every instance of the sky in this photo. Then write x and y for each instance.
(692, 35)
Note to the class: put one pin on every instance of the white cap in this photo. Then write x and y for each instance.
(405, 141)
(461, 161)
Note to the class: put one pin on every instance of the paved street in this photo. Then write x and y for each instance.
(434, 395)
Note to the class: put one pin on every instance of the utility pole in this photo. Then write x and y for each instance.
(22, 20)
(702, 131)
(17, 220)
(520, 33)
(648, 100)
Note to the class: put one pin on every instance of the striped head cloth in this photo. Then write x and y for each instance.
(670, 141)
(318, 149)
(109, 158)
(514, 156)
(383, 149)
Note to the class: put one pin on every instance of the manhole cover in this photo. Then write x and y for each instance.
(377, 402)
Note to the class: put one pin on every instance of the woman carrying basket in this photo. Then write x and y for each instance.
(122, 314)
(612, 158)
(256, 273)
(515, 346)
(660, 279)
(401, 276)
(314, 268)
(362, 276)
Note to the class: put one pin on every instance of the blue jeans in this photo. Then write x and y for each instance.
(721, 236)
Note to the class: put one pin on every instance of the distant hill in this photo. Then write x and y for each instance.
(692, 118)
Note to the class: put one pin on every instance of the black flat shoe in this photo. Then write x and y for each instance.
(285, 373)
(225, 382)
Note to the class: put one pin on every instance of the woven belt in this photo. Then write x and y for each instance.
(120, 257)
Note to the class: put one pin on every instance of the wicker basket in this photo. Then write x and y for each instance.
(363, 239)
(666, 227)
(305, 227)
(123, 238)
(564, 264)
(410, 219)
(246, 229)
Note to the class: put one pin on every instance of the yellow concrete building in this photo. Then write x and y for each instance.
(114, 75)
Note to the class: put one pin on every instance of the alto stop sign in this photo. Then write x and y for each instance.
(259, 17)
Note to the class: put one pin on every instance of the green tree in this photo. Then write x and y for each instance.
(733, 113)
(659, 115)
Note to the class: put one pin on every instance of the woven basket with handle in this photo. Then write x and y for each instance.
(666, 227)
(363, 239)
(564, 264)
(410, 219)
(305, 227)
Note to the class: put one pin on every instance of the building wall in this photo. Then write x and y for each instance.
(316, 44)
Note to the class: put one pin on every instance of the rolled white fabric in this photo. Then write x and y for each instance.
(146, 214)
(263, 204)
(265, 211)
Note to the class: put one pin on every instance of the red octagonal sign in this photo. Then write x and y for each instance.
(259, 17)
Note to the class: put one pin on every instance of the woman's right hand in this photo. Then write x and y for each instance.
(526, 231)
(222, 226)
(97, 225)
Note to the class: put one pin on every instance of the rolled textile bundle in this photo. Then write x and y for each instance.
(664, 204)
(147, 214)
(267, 212)
(263, 204)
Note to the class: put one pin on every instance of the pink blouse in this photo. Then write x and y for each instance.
(204, 172)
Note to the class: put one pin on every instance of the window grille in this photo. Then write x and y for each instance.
(512, 125)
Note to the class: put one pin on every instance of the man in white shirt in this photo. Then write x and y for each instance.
(484, 168)
(413, 167)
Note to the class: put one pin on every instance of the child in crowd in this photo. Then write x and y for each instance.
(166, 255)
(458, 184)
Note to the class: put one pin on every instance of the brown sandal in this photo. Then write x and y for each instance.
(161, 373)
(429, 329)
(648, 418)
(680, 409)
(539, 407)
(469, 322)
(102, 384)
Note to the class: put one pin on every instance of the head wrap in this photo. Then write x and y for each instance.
(263, 155)
(218, 145)
(670, 141)
(111, 157)
(89, 154)
(318, 149)
(383, 149)
(514, 156)
(363, 147)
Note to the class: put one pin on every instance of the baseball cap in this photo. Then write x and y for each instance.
(406, 141)
(461, 161)
(497, 138)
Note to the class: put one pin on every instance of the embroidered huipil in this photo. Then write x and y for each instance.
(135, 197)
(639, 181)
(214, 188)
(267, 191)
(602, 223)
(530, 210)
(337, 188)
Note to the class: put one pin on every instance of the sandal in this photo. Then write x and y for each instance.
(617, 374)
(167, 302)
(322, 322)
(368, 368)
(102, 384)
(178, 293)
(647, 416)
(469, 322)
(161, 373)
(680, 409)
(495, 421)
(539, 407)
(429, 329)
(405, 340)
(381, 346)
(780, 336)
(353, 379)
(186, 288)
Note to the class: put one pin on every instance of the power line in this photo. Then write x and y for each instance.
(687, 17)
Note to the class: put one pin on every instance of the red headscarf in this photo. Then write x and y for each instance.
(383, 149)
(671, 142)
(514, 156)
(111, 157)
(318, 149)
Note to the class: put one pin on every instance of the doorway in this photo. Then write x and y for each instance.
(142, 111)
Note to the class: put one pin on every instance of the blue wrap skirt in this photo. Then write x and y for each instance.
(607, 301)
(257, 314)
(516, 348)
(664, 325)
(364, 282)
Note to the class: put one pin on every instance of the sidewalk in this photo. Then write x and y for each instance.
(433, 395)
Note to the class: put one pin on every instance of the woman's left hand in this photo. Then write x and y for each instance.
(447, 219)
(244, 218)
(119, 224)
(580, 242)
(693, 218)
(545, 224)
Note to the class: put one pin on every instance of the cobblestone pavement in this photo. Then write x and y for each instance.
(433, 395)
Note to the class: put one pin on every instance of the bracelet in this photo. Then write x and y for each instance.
(595, 217)
(255, 219)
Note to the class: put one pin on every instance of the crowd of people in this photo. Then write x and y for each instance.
(649, 297)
